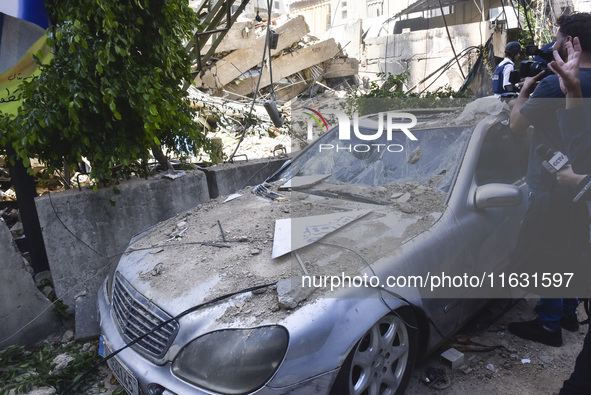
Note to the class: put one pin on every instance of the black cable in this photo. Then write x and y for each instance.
(177, 317)
(528, 21)
(74, 234)
(445, 67)
(255, 93)
(416, 308)
(516, 15)
(450, 40)
(506, 16)
(269, 4)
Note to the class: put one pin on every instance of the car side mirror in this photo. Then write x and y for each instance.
(497, 195)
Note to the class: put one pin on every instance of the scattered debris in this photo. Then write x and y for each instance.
(415, 156)
(68, 336)
(265, 192)
(174, 175)
(436, 378)
(158, 269)
(465, 369)
(61, 363)
(547, 359)
(232, 197)
(290, 293)
(453, 358)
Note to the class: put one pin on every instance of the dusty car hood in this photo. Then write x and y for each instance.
(224, 247)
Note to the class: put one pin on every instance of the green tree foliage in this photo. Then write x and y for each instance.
(113, 88)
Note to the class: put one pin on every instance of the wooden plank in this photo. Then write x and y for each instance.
(240, 61)
(289, 64)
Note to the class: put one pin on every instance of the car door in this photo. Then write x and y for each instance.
(495, 156)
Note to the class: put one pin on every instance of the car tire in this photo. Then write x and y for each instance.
(381, 361)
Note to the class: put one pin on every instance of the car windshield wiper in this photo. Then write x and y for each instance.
(343, 195)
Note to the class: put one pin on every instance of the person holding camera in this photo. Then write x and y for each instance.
(540, 246)
(502, 74)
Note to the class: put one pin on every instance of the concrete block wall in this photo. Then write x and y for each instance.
(84, 232)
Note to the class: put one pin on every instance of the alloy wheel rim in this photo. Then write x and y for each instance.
(380, 359)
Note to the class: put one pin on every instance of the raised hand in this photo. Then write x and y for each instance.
(568, 72)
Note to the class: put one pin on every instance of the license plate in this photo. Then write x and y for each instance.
(122, 374)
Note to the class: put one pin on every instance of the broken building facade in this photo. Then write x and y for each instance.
(423, 37)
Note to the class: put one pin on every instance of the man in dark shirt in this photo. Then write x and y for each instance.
(549, 202)
(575, 127)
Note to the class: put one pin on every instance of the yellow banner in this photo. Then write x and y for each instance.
(26, 68)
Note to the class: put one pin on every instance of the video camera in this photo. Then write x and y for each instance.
(531, 68)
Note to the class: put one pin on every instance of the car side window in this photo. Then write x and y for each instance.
(503, 157)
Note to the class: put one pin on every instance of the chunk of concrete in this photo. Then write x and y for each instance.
(25, 313)
(227, 178)
(453, 358)
(87, 324)
(291, 293)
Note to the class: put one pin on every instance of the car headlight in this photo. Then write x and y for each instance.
(232, 361)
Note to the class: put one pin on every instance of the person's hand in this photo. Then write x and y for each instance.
(530, 83)
(568, 177)
(568, 72)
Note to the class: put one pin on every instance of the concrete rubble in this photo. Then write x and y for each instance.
(299, 62)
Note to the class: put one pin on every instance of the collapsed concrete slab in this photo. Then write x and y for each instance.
(289, 64)
(238, 62)
(241, 35)
(26, 314)
(342, 67)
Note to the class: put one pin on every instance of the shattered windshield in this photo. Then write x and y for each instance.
(435, 154)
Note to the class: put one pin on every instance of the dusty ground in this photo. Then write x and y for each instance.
(501, 370)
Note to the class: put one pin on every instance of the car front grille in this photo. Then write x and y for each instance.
(135, 316)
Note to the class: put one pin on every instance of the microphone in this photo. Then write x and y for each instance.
(554, 161)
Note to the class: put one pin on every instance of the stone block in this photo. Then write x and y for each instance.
(25, 313)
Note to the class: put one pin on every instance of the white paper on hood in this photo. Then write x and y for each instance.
(292, 234)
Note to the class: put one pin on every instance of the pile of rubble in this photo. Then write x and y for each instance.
(299, 62)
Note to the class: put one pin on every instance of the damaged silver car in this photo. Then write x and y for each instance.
(323, 280)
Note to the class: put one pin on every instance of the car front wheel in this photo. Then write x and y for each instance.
(381, 361)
